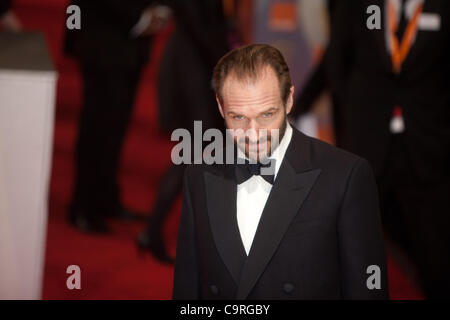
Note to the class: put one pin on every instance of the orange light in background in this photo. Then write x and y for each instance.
(283, 17)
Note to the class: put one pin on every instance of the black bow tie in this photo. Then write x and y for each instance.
(246, 170)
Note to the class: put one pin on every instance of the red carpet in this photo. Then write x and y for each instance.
(110, 266)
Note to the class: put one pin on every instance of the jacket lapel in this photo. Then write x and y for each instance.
(291, 187)
(221, 192)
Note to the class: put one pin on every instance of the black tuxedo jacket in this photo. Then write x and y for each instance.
(319, 232)
(362, 75)
(104, 39)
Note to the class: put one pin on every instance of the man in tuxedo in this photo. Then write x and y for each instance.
(112, 48)
(307, 229)
(393, 84)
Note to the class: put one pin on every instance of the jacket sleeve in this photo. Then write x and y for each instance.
(315, 85)
(186, 278)
(361, 246)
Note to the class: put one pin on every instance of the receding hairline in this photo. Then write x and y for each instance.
(251, 78)
(248, 64)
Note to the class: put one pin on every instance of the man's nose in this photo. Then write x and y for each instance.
(253, 130)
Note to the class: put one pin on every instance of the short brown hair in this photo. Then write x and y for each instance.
(247, 62)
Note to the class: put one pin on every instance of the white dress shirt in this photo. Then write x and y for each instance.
(252, 195)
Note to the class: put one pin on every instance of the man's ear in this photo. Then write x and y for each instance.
(290, 101)
(220, 107)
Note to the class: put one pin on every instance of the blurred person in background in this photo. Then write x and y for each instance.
(112, 48)
(8, 20)
(203, 34)
(394, 83)
(315, 18)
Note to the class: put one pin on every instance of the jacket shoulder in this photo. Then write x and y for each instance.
(333, 158)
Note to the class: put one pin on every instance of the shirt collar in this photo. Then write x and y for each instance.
(280, 150)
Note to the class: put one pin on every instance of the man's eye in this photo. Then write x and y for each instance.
(267, 114)
(238, 117)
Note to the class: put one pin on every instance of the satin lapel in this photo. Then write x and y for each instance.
(221, 203)
(289, 191)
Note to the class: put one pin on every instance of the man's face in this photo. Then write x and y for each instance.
(255, 106)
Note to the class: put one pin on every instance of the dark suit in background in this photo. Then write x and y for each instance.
(5, 5)
(319, 232)
(111, 61)
(185, 89)
(413, 167)
(185, 93)
(317, 83)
